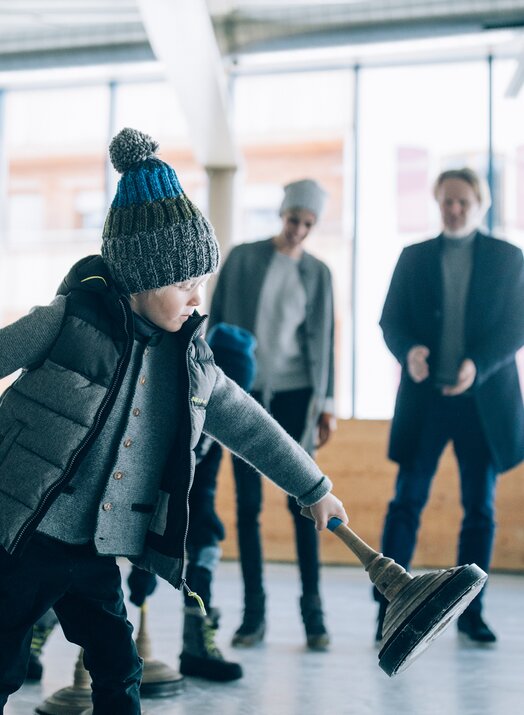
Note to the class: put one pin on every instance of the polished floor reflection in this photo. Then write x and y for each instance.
(282, 678)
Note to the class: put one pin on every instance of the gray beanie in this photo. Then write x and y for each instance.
(305, 194)
(153, 235)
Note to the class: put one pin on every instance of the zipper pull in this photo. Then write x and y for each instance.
(194, 594)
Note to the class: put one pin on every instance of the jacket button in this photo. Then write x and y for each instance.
(118, 475)
(136, 412)
(107, 506)
(128, 442)
(143, 380)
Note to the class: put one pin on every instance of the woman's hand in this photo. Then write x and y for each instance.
(327, 424)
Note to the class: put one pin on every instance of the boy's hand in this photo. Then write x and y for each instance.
(323, 510)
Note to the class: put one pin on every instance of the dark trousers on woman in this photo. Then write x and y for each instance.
(289, 409)
(85, 591)
(455, 419)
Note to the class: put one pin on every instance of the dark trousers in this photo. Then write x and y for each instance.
(455, 419)
(85, 591)
(206, 529)
(289, 409)
(204, 533)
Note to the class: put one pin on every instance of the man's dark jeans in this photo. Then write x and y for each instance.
(455, 419)
(85, 591)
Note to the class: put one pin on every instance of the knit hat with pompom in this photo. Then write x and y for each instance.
(154, 235)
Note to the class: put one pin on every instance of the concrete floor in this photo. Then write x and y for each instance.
(282, 678)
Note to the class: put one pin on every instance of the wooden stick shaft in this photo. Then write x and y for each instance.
(362, 551)
(388, 576)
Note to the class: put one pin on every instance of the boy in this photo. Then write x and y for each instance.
(97, 434)
(233, 351)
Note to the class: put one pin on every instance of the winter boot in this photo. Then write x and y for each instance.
(473, 625)
(253, 626)
(316, 634)
(200, 656)
(214, 616)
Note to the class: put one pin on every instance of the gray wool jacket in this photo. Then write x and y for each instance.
(74, 358)
(235, 300)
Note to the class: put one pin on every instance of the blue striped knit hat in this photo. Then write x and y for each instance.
(153, 235)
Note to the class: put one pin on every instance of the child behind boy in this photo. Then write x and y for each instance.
(97, 434)
(234, 352)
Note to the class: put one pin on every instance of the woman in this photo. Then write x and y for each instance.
(283, 295)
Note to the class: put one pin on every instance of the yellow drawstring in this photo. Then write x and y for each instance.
(197, 598)
(92, 278)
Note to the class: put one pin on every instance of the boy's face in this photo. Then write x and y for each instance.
(169, 307)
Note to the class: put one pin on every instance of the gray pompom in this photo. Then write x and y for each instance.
(130, 147)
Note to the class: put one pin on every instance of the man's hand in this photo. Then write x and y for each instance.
(466, 378)
(417, 361)
(324, 509)
(327, 424)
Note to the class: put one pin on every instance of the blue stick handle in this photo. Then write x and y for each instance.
(333, 523)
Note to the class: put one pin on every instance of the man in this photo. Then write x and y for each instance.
(454, 319)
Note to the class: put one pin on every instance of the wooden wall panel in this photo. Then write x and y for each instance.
(355, 460)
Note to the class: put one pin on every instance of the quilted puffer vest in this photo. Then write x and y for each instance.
(53, 412)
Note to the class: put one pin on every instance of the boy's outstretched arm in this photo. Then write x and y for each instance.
(241, 424)
(29, 339)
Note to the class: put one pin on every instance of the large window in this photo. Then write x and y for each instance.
(153, 108)
(508, 144)
(295, 126)
(55, 141)
(414, 122)
(409, 122)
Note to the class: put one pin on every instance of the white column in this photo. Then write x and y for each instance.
(182, 37)
(222, 212)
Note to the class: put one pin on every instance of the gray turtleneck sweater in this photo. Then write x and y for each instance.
(456, 264)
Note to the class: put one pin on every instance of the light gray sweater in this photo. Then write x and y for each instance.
(236, 300)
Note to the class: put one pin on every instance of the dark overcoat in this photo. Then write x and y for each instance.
(494, 331)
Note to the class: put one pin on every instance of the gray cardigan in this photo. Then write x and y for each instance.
(235, 301)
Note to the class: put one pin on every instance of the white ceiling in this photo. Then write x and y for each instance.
(47, 33)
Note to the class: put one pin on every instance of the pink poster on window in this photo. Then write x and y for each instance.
(413, 191)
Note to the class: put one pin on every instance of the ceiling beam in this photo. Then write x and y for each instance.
(517, 79)
(182, 37)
